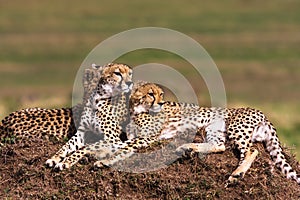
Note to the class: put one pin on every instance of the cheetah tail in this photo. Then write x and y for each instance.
(273, 147)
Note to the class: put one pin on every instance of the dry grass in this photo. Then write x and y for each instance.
(24, 176)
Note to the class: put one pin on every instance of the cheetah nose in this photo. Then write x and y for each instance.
(129, 83)
(161, 103)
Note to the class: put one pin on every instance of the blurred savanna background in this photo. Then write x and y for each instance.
(256, 46)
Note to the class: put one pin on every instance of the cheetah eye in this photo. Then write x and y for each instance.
(151, 94)
(117, 73)
(161, 94)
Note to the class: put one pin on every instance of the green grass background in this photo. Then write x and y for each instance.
(255, 44)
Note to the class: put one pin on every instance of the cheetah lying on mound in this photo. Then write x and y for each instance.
(104, 113)
(109, 86)
(39, 122)
(154, 119)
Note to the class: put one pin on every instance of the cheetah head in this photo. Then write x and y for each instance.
(115, 79)
(146, 97)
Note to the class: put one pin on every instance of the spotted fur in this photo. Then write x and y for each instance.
(241, 126)
(44, 123)
(104, 113)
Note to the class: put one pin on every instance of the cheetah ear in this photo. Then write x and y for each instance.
(135, 95)
(140, 82)
(137, 85)
(138, 94)
(97, 67)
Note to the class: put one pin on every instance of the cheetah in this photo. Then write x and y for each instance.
(33, 123)
(39, 122)
(104, 112)
(240, 126)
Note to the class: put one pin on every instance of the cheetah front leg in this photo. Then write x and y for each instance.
(202, 148)
(101, 150)
(108, 162)
(76, 142)
(126, 150)
(72, 159)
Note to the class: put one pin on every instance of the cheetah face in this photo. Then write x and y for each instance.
(115, 79)
(146, 98)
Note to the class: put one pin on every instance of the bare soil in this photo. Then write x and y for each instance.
(24, 176)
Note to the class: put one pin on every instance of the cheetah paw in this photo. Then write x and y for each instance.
(52, 162)
(98, 164)
(102, 164)
(233, 178)
(184, 151)
(61, 166)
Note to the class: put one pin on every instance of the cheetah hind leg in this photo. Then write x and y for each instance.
(205, 148)
(243, 166)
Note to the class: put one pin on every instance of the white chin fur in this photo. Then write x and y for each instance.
(126, 90)
(108, 88)
(167, 134)
(155, 109)
(139, 109)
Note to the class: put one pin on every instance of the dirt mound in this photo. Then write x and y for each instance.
(24, 176)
